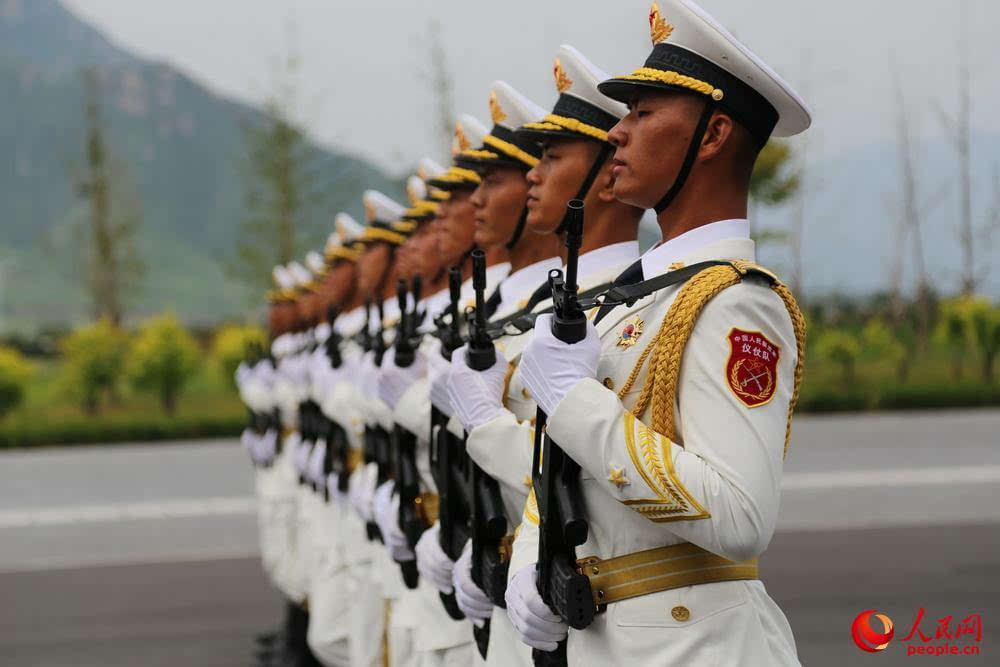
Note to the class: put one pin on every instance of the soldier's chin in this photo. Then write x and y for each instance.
(536, 223)
(626, 192)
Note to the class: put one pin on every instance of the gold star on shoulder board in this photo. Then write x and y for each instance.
(618, 478)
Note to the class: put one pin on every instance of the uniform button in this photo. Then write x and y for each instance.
(680, 613)
(525, 392)
(609, 383)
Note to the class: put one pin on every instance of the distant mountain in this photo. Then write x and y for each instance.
(181, 146)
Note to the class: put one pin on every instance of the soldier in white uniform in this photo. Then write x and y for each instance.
(677, 408)
(502, 161)
(574, 163)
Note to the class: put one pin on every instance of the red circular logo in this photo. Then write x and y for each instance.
(866, 637)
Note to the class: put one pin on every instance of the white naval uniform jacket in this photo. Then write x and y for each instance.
(717, 487)
(503, 446)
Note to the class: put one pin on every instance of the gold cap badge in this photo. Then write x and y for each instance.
(461, 139)
(496, 111)
(563, 82)
(659, 29)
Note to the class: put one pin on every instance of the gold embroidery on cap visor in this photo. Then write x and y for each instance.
(554, 123)
(458, 176)
(511, 150)
(379, 234)
(341, 252)
(651, 75)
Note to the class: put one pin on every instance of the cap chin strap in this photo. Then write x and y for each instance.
(595, 168)
(692, 153)
(519, 230)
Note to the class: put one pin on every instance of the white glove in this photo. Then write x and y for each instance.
(267, 447)
(300, 457)
(358, 494)
(367, 374)
(432, 562)
(440, 369)
(470, 598)
(394, 380)
(537, 625)
(476, 396)
(249, 441)
(386, 506)
(315, 470)
(331, 483)
(550, 367)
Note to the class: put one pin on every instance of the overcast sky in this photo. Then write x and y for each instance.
(363, 79)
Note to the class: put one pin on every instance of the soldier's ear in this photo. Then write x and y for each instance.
(604, 184)
(718, 136)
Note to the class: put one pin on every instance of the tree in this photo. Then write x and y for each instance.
(93, 360)
(163, 358)
(112, 265)
(953, 332)
(974, 239)
(880, 344)
(984, 330)
(773, 182)
(442, 83)
(282, 190)
(15, 372)
(232, 345)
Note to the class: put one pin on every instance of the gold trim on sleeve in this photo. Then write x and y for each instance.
(655, 465)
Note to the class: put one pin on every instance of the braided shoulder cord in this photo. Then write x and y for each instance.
(666, 349)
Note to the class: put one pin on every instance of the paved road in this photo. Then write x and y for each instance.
(146, 554)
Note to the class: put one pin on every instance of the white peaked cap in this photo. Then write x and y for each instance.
(469, 133)
(332, 242)
(416, 189)
(693, 51)
(510, 109)
(348, 229)
(300, 274)
(315, 262)
(379, 207)
(582, 77)
(283, 277)
(428, 169)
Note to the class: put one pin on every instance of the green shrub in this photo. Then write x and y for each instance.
(232, 345)
(93, 360)
(164, 356)
(15, 372)
(841, 348)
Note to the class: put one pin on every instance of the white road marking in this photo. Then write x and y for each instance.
(169, 509)
(892, 477)
(203, 507)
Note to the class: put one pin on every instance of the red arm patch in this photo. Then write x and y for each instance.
(752, 369)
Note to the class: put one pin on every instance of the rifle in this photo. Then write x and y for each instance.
(404, 447)
(447, 453)
(488, 525)
(337, 447)
(555, 477)
(373, 448)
